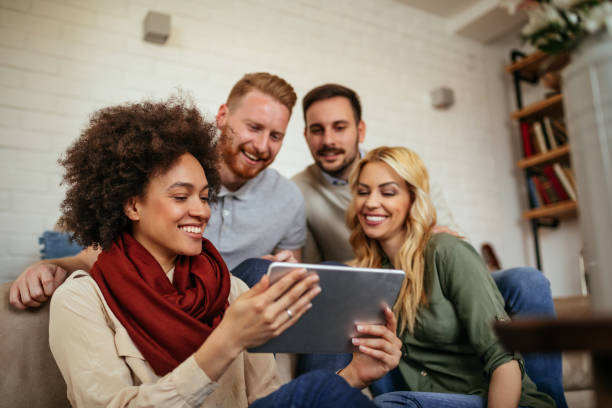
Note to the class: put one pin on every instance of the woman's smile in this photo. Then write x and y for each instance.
(374, 220)
(194, 231)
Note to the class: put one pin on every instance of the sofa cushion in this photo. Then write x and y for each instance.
(581, 399)
(577, 371)
(30, 377)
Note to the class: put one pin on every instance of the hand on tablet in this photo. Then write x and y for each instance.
(254, 317)
(376, 355)
(267, 310)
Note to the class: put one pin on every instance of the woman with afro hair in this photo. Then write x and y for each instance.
(159, 321)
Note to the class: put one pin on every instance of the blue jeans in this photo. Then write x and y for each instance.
(57, 245)
(413, 399)
(526, 292)
(318, 388)
(251, 270)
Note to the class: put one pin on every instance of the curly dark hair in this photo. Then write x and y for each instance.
(117, 155)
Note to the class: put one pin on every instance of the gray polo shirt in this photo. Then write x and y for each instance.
(265, 213)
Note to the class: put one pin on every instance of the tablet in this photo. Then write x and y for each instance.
(348, 296)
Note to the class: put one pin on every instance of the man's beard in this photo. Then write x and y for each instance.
(231, 155)
(344, 165)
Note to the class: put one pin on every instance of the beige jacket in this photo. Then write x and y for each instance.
(102, 367)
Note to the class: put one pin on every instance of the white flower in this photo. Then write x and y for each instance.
(597, 17)
(541, 17)
(572, 17)
(568, 20)
(553, 14)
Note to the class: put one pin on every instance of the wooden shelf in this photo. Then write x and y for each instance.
(552, 106)
(544, 157)
(528, 63)
(563, 209)
(532, 64)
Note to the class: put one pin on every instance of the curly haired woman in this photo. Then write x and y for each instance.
(448, 301)
(159, 321)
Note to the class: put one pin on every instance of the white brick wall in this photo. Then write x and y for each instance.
(60, 60)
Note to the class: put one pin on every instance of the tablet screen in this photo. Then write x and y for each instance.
(349, 296)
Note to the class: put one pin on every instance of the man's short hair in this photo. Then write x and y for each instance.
(266, 83)
(328, 91)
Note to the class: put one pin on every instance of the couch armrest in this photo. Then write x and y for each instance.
(30, 377)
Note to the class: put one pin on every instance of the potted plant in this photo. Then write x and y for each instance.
(556, 26)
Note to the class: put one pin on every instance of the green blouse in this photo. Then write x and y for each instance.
(454, 348)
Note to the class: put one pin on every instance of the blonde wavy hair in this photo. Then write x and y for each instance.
(421, 219)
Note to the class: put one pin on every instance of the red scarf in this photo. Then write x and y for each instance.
(167, 321)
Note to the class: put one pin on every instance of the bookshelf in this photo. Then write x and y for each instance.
(529, 66)
(552, 105)
(542, 158)
(563, 209)
(545, 162)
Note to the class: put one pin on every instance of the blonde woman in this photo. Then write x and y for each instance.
(448, 301)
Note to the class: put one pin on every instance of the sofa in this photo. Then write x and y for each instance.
(30, 377)
(577, 371)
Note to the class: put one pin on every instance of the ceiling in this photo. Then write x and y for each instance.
(442, 8)
(481, 20)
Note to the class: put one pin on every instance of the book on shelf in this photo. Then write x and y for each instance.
(570, 176)
(544, 199)
(553, 197)
(526, 139)
(539, 139)
(567, 185)
(549, 133)
(540, 125)
(559, 131)
(555, 183)
(534, 198)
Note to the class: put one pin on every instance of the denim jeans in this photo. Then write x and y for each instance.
(526, 292)
(57, 245)
(413, 399)
(318, 388)
(251, 270)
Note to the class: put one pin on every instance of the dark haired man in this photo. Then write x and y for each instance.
(252, 122)
(334, 128)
